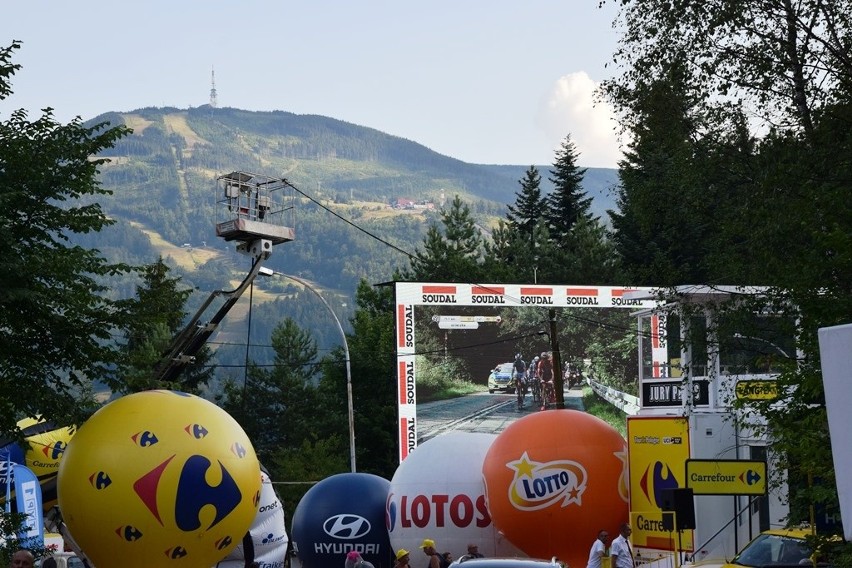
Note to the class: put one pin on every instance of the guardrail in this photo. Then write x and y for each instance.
(628, 403)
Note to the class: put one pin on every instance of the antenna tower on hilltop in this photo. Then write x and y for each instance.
(213, 100)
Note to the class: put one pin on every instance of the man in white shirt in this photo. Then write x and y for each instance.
(598, 550)
(622, 554)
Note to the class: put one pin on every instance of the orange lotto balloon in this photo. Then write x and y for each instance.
(553, 480)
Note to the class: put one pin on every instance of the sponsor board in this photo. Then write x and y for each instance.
(756, 390)
(658, 448)
(726, 477)
(670, 393)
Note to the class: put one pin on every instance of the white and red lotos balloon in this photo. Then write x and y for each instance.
(554, 480)
(438, 493)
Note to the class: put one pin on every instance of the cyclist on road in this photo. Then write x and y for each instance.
(533, 380)
(545, 373)
(519, 373)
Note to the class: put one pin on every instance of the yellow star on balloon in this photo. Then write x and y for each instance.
(523, 466)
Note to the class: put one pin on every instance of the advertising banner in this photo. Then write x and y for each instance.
(658, 449)
(476, 327)
(726, 477)
(23, 495)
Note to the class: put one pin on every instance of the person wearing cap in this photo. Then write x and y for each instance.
(428, 546)
(354, 560)
(402, 559)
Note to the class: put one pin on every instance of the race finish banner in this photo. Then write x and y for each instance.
(479, 326)
(726, 477)
(658, 447)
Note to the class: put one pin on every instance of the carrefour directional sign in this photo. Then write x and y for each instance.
(726, 477)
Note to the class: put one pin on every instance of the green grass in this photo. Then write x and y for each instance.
(596, 406)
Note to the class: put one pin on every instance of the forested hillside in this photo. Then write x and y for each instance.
(163, 183)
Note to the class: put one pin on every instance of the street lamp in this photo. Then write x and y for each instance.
(269, 272)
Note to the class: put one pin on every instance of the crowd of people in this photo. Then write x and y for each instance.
(403, 557)
(619, 553)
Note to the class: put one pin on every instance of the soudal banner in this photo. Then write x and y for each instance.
(407, 405)
(453, 308)
(23, 495)
(566, 296)
(659, 346)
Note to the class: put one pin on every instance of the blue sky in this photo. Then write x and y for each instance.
(484, 81)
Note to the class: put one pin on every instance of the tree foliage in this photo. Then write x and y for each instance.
(529, 207)
(740, 117)
(567, 203)
(156, 317)
(453, 252)
(56, 320)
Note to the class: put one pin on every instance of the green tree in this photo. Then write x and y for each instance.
(453, 254)
(529, 204)
(567, 203)
(276, 406)
(786, 59)
(784, 65)
(156, 316)
(665, 214)
(374, 392)
(56, 319)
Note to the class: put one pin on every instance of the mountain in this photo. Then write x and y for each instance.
(162, 179)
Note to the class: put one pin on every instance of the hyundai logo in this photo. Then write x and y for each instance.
(346, 527)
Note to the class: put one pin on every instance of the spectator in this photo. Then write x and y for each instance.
(402, 559)
(354, 560)
(622, 554)
(428, 547)
(598, 550)
(472, 552)
(22, 559)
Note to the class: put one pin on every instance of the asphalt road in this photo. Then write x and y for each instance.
(480, 412)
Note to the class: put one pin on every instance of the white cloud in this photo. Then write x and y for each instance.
(570, 108)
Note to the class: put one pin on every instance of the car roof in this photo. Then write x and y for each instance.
(502, 563)
(796, 532)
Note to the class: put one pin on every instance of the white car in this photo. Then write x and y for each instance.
(63, 560)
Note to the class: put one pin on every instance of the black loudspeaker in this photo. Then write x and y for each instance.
(668, 521)
(680, 502)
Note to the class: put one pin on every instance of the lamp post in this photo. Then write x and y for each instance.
(269, 272)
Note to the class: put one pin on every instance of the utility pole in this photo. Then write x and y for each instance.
(557, 361)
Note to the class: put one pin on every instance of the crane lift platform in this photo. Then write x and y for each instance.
(252, 206)
(257, 212)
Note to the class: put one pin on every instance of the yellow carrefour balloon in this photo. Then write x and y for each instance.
(47, 443)
(159, 478)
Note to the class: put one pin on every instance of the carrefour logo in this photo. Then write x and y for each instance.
(538, 485)
(192, 494)
(346, 526)
(655, 481)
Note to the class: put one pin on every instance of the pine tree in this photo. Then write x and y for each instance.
(454, 254)
(567, 203)
(157, 316)
(529, 204)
